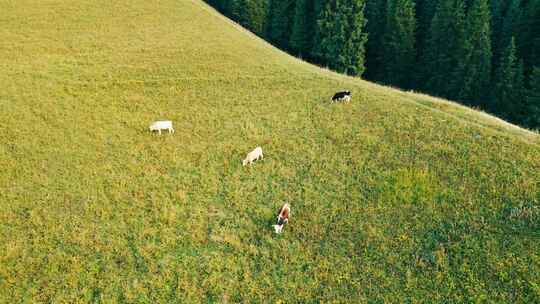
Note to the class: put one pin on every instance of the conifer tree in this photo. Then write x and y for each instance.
(533, 57)
(300, 40)
(509, 84)
(510, 21)
(446, 40)
(496, 12)
(375, 13)
(398, 51)
(533, 100)
(319, 7)
(342, 38)
(280, 22)
(239, 12)
(505, 29)
(528, 29)
(425, 9)
(251, 14)
(519, 114)
(535, 52)
(472, 78)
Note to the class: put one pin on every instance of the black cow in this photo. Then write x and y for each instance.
(342, 96)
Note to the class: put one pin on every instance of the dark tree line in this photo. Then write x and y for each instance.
(483, 53)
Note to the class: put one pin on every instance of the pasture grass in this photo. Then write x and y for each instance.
(396, 197)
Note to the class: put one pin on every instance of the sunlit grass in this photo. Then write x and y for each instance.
(396, 197)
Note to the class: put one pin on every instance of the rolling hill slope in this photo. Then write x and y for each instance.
(396, 197)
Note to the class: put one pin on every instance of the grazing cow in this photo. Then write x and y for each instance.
(253, 156)
(283, 217)
(342, 96)
(162, 125)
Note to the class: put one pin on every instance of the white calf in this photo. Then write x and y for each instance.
(162, 125)
(253, 156)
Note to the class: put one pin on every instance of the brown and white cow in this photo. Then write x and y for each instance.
(283, 217)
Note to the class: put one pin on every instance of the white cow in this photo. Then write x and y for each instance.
(253, 156)
(162, 125)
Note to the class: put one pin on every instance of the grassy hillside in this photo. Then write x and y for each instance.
(396, 197)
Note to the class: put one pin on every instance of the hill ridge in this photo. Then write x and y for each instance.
(530, 135)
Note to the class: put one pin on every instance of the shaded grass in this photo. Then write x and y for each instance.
(395, 198)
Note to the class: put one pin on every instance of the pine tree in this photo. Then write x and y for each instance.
(533, 59)
(425, 9)
(528, 44)
(375, 12)
(509, 99)
(300, 41)
(472, 78)
(510, 21)
(398, 54)
(251, 14)
(342, 38)
(280, 22)
(519, 113)
(446, 40)
(319, 7)
(533, 100)
(535, 52)
(509, 12)
(496, 12)
(238, 12)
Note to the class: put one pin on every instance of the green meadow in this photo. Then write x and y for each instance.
(396, 197)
